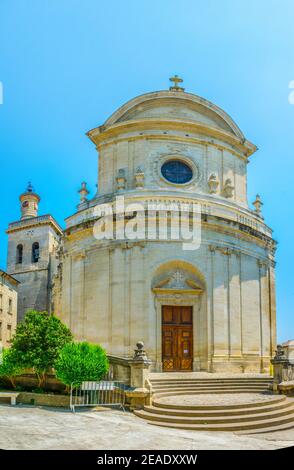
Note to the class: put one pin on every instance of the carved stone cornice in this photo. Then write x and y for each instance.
(127, 244)
(175, 298)
(175, 292)
(79, 256)
(35, 222)
(263, 263)
(227, 251)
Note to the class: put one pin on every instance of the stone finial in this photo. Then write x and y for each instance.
(228, 190)
(258, 205)
(280, 353)
(30, 188)
(213, 183)
(83, 192)
(97, 190)
(139, 178)
(176, 80)
(121, 179)
(140, 353)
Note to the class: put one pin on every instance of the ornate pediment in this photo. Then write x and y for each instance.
(178, 282)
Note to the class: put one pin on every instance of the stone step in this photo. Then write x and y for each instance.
(209, 382)
(279, 399)
(188, 412)
(212, 386)
(223, 380)
(281, 427)
(274, 412)
(260, 424)
(181, 391)
(148, 414)
(204, 385)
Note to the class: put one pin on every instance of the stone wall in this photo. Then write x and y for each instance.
(30, 381)
(8, 308)
(105, 295)
(207, 159)
(43, 399)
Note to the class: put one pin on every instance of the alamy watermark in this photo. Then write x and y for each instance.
(291, 94)
(149, 220)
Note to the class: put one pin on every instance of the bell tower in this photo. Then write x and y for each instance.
(29, 203)
(33, 243)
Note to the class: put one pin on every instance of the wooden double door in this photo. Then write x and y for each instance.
(177, 338)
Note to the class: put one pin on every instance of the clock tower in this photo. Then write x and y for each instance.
(33, 243)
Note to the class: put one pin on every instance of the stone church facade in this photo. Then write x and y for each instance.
(212, 308)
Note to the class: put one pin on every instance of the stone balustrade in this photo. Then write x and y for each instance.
(134, 372)
(283, 365)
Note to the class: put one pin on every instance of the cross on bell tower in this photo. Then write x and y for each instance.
(176, 80)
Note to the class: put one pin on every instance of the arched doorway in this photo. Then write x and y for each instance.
(177, 338)
(179, 291)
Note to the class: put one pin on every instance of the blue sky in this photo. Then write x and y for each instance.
(66, 65)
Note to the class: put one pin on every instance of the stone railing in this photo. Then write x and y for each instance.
(133, 372)
(119, 369)
(283, 365)
(33, 220)
(209, 206)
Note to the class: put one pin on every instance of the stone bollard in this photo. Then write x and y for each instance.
(142, 389)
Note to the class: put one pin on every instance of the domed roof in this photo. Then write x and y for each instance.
(174, 105)
(170, 109)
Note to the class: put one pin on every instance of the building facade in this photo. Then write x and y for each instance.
(8, 307)
(209, 307)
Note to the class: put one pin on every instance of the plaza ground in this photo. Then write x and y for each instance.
(28, 427)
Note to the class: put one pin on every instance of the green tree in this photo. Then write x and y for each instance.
(79, 362)
(37, 342)
(9, 368)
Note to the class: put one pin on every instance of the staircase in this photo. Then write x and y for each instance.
(210, 385)
(258, 410)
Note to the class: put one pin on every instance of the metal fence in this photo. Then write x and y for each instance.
(104, 393)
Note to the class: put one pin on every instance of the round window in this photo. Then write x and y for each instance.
(176, 171)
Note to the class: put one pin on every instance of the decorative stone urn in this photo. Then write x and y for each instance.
(121, 180)
(258, 206)
(139, 178)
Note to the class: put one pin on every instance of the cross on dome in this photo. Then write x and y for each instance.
(176, 80)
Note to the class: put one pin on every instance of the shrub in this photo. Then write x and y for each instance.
(9, 368)
(38, 341)
(79, 362)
